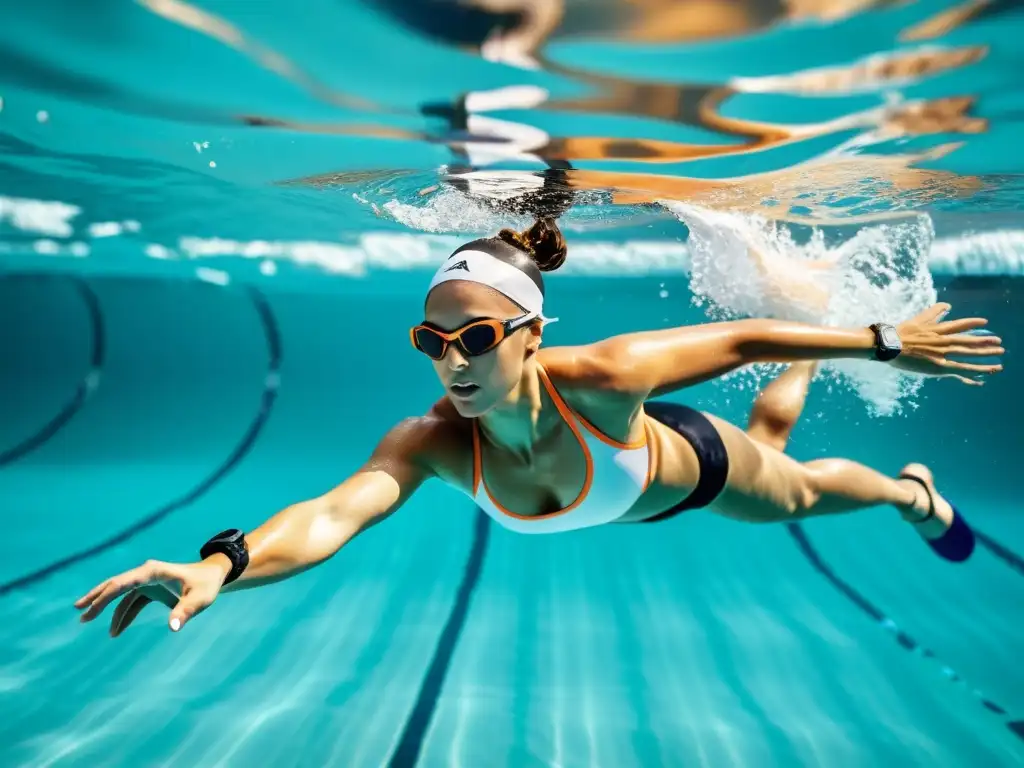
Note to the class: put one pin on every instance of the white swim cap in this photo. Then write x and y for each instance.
(479, 266)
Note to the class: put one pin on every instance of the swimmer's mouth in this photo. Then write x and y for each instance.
(463, 389)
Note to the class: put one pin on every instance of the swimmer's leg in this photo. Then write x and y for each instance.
(765, 485)
(937, 521)
(779, 405)
(775, 413)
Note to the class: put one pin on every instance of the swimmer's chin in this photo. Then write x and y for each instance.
(468, 408)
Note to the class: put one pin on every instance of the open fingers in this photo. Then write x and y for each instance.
(973, 351)
(974, 339)
(973, 367)
(965, 380)
(961, 325)
(101, 596)
(89, 596)
(934, 312)
(111, 590)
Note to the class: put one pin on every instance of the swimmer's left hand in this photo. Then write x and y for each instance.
(929, 344)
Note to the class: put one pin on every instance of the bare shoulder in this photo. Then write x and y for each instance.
(590, 369)
(586, 378)
(583, 366)
(439, 429)
(440, 441)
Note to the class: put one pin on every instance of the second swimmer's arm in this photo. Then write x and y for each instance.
(305, 534)
(658, 362)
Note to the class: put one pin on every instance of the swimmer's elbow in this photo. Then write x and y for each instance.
(334, 519)
(394, 472)
(660, 362)
(750, 340)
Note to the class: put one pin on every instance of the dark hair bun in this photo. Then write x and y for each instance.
(543, 241)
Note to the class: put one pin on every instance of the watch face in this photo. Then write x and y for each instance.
(890, 338)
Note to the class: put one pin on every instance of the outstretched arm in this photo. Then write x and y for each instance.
(305, 534)
(294, 540)
(659, 362)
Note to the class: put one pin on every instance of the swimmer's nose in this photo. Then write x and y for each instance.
(455, 359)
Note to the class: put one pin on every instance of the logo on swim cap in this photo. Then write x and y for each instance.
(458, 265)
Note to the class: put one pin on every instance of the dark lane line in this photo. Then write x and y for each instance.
(876, 614)
(410, 744)
(85, 387)
(270, 387)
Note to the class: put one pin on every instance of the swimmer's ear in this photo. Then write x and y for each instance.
(536, 332)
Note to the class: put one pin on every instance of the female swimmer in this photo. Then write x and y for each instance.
(550, 440)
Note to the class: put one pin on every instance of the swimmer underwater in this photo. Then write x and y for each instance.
(546, 440)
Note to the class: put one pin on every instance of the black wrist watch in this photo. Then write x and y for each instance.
(887, 342)
(231, 544)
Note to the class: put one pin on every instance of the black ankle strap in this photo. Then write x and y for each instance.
(928, 493)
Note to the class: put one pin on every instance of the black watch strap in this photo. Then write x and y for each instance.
(231, 544)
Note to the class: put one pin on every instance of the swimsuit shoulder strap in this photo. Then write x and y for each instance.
(571, 415)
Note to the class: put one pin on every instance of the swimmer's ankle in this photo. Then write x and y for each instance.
(915, 506)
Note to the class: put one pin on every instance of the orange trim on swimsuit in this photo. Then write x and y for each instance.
(586, 424)
(570, 417)
(588, 479)
(477, 465)
(652, 446)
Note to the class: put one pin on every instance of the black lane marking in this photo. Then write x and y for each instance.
(270, 386)
(1004, 553)
(410, 744)
(905, 641)
(85, 387)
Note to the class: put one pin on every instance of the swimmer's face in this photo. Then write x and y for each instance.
(477, 384)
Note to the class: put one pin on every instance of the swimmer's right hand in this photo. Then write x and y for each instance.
(187, 589)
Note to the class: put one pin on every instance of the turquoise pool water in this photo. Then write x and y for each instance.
(178, 357)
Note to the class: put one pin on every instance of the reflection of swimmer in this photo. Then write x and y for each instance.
(522, 26)
(488, 139)
(205, 23)
(700, 104)
(552, 440)
(479, 140)
(522, 37)
(945, 21)
(806, 191)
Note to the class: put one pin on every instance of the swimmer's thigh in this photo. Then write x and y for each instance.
(764, 485)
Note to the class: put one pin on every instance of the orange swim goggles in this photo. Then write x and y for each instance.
(474, 338)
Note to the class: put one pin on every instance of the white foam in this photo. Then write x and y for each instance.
(43, 216)
(331, 257)
(980, 253)
(451, 211)
(745, 266)
(993, 253)
(105, 229)
(450, 218)
(157, 251)
(215, 276)
(46, 247)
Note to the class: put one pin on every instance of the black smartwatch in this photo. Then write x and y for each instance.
(231, 544)
(887, 342)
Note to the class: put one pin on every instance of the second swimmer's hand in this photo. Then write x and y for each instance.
(929, 346)
(187, 589)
